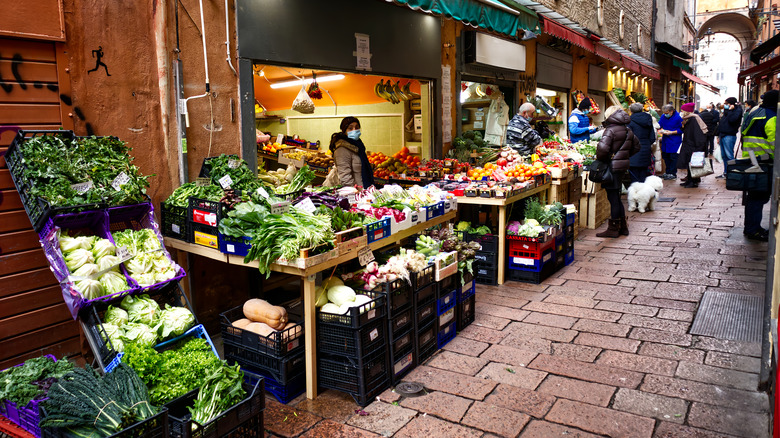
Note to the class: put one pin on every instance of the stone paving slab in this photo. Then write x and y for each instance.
(601, 348)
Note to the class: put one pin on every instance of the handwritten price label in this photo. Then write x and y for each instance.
(202, 182)
(306, 205)
(226, 181)
(119, 181)
(233, 163)
(82, 188)
(123, 253)
(365, 256)
(280, 208)
(261, 191)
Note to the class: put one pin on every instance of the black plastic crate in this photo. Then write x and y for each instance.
(401, 322)
(426, 351)
(485, 275)
(533, 277)
(401, 363)
(205, 168)
(466, 312)
(91, 320)
(156, 426)
(466, 277)
(279, 343)
(449, 283)
(489, 242)
(237, 422)
(174, 221)
(426, 293)
(402, 341)
(486, 258)
(358, 316)
(349, 342)
(398, 293)
(425, 312)
(423, 278)
(569, 231)
(203, 218)
(363, 378)
(426, 335)
(284, 393)
(280, 368)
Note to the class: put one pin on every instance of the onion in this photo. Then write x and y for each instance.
(503, 154)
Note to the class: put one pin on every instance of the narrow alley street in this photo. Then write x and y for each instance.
(603, 348)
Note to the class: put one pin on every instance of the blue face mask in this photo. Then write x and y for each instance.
(354, 135)
(667, 115)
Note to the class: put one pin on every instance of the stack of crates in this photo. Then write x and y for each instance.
(426, 293)
(352, 349)
(278, 358)
(400, 327)
(466, 300)
(568, 233)
(486, 259)
(530, 259)
(446, 303)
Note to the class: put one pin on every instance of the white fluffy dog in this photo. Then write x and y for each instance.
(642, 196)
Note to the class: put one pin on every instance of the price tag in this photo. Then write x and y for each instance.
(403, 176)
(373, 334)
(365, 256)
(123, 253)
(280, 138)
(81, 188)
(234, 163)
(202, 182)
(306, 205)
(226, 181)
(422, 173)
(280, 208)
(176, 228)
(261, 191)
(352, 198)
(119, 181)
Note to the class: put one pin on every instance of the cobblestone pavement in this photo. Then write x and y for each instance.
(600, 349)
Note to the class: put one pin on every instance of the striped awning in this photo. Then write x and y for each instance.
(559, 31)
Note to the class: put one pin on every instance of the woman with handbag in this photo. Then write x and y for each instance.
(615, 148)
(694, 140)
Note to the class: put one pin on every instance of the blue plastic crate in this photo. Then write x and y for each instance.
(197, 332)
(231, 245)
(570, 217)
(530, 264)
(569, 257)
(283, 393)
(378, 230)
(467, 291)
(434, 210)
(446, 334)
(446, 301)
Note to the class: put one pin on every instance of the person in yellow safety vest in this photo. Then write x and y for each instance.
(758, 136)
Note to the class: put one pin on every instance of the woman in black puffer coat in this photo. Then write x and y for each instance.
(616, 147)
(642, 127)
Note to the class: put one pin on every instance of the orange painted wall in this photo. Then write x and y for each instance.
(354, 89)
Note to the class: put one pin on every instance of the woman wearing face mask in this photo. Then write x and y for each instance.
(694, 140)
(349, 154)
(671, 129)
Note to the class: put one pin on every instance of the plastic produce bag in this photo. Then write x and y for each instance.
(303, 103)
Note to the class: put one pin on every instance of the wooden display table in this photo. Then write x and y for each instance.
(308, 279)
(502, 203)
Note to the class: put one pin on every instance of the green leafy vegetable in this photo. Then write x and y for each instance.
(20, 384)
(180, 196)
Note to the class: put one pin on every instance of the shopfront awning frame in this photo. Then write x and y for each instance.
(701, 82)
(764, 49)
(759, 70)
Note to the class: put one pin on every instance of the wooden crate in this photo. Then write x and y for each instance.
(594, 209)
(559, 193)
(589, 188)
(575, 190)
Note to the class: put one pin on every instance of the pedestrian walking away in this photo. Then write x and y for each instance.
(616, 147)
(642, 127)
(758, 136)
(727, 130)
(694, 140)
(671, 129)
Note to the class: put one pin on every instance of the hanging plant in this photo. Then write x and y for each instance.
(314, 88)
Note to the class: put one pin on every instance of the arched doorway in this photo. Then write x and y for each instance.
(735, 24)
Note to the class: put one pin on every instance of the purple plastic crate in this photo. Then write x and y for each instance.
(27, 417)
(84, 223)
(137, 217)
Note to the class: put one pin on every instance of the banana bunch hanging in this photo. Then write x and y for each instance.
(393, 93)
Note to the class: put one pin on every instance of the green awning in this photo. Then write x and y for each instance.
(682, 64)
(478, 14)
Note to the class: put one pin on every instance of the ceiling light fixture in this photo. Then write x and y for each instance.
(307, 81)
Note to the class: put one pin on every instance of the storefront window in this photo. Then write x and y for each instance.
(486, 108)
(552, 109)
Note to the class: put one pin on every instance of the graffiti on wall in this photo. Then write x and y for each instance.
(98, 55)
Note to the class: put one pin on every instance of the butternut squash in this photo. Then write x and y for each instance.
(260, 328)
(292, 334)
(258, 310)
(241, 323)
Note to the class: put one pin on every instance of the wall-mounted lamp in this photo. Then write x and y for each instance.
(307, 81)
(614, 67)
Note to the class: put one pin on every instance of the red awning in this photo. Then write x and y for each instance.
(607, 53)
(632, 65)
(564, 33)
(700, 81)
(650, 72)
(759, 70)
